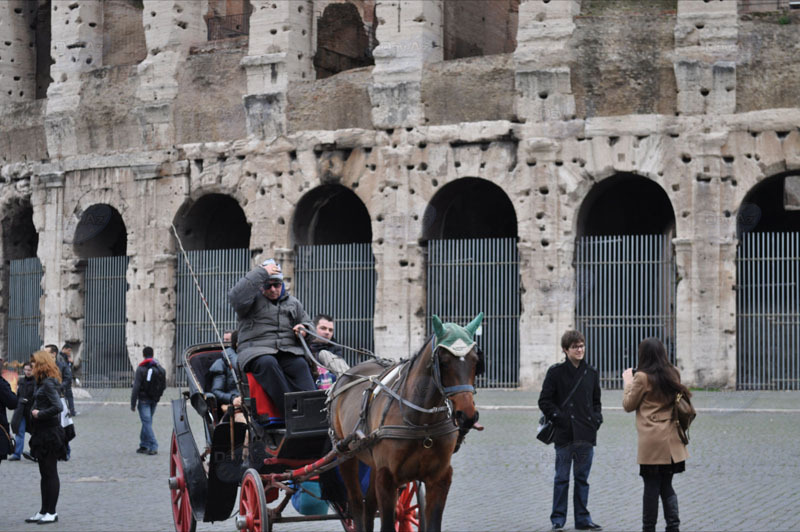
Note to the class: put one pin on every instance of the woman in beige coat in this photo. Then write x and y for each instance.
(651, 391)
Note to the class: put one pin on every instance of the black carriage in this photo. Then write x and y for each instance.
(260, 466)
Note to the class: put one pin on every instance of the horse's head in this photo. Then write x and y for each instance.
(456, 361)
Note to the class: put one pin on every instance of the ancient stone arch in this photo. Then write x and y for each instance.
(330, 214)
(479, 27)
(212, 221)
(343, 40)
(469, 207)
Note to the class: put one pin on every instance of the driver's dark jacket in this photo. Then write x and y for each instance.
(265, 327)
(581, 416)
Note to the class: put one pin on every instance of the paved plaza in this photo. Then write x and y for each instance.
(742, 473)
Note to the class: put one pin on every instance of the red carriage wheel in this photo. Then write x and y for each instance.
(409, 514)
(181, 505)
(253, 513)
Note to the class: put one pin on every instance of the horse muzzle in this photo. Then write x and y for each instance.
(464, 422)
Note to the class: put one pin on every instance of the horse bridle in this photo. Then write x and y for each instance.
(446, 391)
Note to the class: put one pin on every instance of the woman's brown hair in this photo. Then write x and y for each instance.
(663, 376)
(45, 366)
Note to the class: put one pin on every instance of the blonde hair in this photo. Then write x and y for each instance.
(45, 366)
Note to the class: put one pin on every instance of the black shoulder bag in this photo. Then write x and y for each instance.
(546, 431)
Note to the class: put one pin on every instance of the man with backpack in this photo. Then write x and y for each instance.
(148, 386)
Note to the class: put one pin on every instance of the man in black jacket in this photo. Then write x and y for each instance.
(146, 404)
(20, 422)
(268, 321)
(577, 418)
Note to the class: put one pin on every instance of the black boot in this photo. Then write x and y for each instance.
(649, 514)
(671, 513)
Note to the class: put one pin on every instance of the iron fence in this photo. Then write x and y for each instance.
(25, 291)
(217, 271)
(768, 311)
(466, 277)
(625, 292)
(339, 279)
(104, 357)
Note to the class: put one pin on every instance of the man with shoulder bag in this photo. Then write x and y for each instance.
(570, 400)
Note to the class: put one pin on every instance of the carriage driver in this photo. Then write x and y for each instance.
(269, 320)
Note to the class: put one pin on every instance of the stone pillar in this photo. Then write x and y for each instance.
(280, 52)
(151, 297)
(706, 35)
(17, 51)
(544, 90)
(410, 34)
(171, 27)
(47, 200)
(77, 47)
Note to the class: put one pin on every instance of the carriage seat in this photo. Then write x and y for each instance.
(203, 401)
(262, 404)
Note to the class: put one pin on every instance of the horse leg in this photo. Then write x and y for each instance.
(370, 504)
(349, 472)
(386, 493)
(435, 499)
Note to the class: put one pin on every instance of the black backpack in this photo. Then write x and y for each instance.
(156, 384)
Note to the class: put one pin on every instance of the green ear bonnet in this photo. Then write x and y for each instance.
(456, 339)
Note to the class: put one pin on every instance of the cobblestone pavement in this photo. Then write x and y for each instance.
(742, 473)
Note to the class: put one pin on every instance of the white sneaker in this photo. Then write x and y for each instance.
(34, 518)
(48, 518)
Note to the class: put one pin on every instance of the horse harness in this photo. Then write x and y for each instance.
(391, 380)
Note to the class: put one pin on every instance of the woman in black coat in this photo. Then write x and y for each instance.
(48, 442)
(7, 400)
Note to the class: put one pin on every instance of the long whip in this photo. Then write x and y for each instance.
(213, 323)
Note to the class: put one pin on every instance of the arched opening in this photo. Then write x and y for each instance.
(626, 204)
(469, 208)
(479, 27)
(123, 32)
(470, 230)
(215, 221)
(227, 19)
(625, 272)
(331, 214)
(767, 280)
(101, 240)
(100, 233)
(344, 40)
(20, 281)
(216, 235)
(334, 264)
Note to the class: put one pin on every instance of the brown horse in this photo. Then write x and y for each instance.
(412, 416)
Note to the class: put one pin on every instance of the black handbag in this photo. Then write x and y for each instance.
(546, 432)
(683, 413)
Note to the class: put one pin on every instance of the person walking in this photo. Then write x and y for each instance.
(146, 392)
(20, 422)
(651, 392)
(570, 397)
(8, 399)
(48, 441)
(65, 364)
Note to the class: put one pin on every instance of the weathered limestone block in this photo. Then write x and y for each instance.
(705, 88)
(791, 193)
(280, 52)
(17, 51)
(410, 36)
(543, 86)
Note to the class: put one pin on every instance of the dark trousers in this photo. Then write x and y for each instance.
(49, 484)
(578, 457)
(659, 485)
(281, 373)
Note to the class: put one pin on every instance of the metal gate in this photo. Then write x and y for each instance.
(104, 361)
(339, 279)
(466, 277)
(217, 271)
(625, 292)
(25, 291)
(768, 311)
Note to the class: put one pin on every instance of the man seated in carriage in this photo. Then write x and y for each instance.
(326, 353)
(269, 320)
